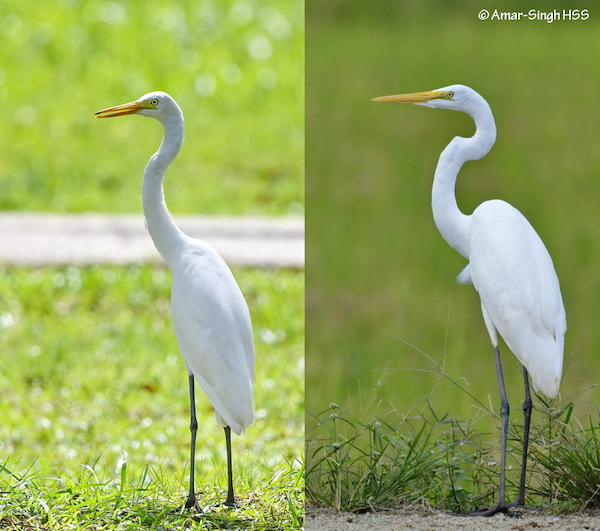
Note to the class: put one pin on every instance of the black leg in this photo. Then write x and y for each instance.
(191, 500)
(527, 406)
(504, 412)
(230, 502)
(502, 506)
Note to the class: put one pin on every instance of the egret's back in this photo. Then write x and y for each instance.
(214, 332)
(520, 294)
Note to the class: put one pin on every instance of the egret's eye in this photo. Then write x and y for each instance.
(154, 102)
(450, 95)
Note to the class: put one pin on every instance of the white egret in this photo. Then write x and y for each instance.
(210, 315)
(509, 267)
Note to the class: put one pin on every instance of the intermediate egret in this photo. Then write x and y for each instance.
(509, 267)
(210, 315)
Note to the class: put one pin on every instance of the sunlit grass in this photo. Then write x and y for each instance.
(94, 401)
(93, 387)
(29, 500)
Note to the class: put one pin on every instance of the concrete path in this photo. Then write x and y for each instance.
(42, 239)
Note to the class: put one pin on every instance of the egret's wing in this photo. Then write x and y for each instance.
(515, 278)
(464, 277)
(214, 333)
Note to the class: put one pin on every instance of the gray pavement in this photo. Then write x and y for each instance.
(43, 239)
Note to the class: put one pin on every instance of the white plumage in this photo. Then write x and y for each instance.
(520, 296)
(214, 332)
(509, 265)
(210, 315)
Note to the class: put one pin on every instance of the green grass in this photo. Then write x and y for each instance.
(235, 68)
(569, 454)
(447, 464)
(377, 268)
(371, 468)
(144, 502)
(94, 403)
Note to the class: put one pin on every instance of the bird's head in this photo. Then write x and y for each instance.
(453, 97)
(156, 104)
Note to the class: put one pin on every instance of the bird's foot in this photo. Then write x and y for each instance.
(230, 502)
(191, 502)
(520, 505)
(505, 509)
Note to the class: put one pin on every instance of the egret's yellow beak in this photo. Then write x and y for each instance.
(120, 110)
(415, 97)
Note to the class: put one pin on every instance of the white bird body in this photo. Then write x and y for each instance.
(214, 332)
(509, 265)
(210, 315)
(520, 297)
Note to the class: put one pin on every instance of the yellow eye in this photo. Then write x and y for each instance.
(154, 102)
(450, 95)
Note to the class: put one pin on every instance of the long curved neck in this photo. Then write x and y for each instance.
(165, 234)
(453, 225)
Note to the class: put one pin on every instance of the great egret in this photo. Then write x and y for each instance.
(210, 315)
(509, 267)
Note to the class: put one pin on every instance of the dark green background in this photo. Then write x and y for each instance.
(376, 264)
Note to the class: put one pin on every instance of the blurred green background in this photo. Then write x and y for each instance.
(90, 372)
(377, 266)
(235, 67)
